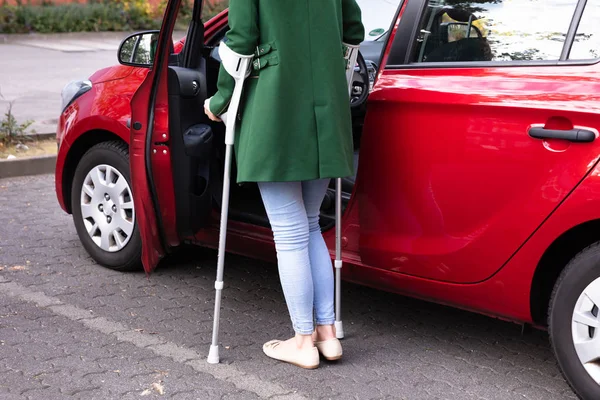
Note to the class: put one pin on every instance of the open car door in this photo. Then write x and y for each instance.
(170, 142)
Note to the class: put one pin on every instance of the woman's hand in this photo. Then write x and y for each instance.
(209, 113)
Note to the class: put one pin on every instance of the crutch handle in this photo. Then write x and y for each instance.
(238, 66)
(232, 62)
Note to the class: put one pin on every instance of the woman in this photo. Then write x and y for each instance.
(294, 136)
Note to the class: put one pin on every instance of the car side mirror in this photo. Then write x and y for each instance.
(454, 31)
(138, 50)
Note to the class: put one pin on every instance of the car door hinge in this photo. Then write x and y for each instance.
(161, 138)
(160, 148)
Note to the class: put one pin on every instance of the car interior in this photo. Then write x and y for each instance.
(453, 34)
(198, 145)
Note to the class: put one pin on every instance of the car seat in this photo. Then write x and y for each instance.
(439, 49)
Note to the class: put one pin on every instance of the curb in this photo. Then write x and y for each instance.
(42, 136)
(38, 136)
(7, 38)
(27, 166)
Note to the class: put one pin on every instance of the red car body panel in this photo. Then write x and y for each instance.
(579, 208)
(454, 202)
(111, 73)
(151, 169)
(163, 172)
(451, 175)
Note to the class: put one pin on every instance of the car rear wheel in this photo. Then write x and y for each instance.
(574, 323)
(103, 209)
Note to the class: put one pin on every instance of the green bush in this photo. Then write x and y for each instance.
(98, 16)
(212, 8)
(10, 128)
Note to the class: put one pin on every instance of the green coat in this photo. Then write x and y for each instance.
(295, 111)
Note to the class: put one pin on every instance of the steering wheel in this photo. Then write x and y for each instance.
(360, 83)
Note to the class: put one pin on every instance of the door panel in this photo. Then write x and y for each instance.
(147, 137)
(172, 158)
(189, 134)
(141, 172)
(161, 154)
(450, 182)
(191, 142)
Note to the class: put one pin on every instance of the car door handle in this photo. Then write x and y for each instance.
(573, 135)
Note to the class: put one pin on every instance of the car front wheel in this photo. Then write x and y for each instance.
(103, 209)
(574, 323)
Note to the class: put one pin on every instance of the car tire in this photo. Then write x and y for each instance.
(117, 246)
(570, 301)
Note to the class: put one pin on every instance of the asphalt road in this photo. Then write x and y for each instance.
(70, 328)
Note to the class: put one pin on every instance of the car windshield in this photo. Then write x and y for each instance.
(377, 16)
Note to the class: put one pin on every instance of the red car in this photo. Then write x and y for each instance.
(478, 184)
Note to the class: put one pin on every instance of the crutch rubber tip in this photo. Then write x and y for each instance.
(213, 355)
(339, 330)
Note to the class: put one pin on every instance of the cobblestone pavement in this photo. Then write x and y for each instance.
(70, 328)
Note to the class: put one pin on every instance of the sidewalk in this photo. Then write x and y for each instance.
(68, 42)
(34, 69)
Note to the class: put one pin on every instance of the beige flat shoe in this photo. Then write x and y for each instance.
(308, 359)
(330, 349)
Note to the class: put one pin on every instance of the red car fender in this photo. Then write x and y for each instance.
(86, 117)
(581, 207)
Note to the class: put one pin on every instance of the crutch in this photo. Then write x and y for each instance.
(350, 54)
(238, 66)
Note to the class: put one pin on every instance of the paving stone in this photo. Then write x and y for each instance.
(396, 347)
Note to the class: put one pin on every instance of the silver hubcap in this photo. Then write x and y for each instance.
(586, 329)
(107, 208)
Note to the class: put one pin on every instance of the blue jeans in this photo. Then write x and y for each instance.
(305, 268)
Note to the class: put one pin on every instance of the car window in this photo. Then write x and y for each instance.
(377, 16)
(493, 30)
(587, 40)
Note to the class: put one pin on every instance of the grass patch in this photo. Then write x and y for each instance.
(29, 148)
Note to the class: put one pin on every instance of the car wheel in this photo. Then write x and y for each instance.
(574, 323)
(103, 210)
